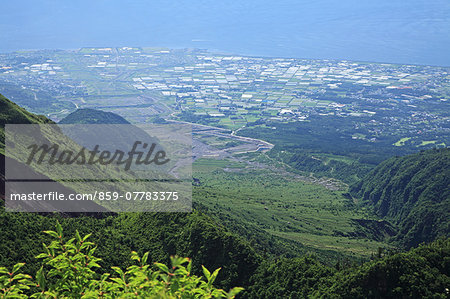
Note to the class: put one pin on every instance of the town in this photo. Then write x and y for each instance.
(231, 91)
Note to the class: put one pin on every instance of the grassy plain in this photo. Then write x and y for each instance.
(283, 207)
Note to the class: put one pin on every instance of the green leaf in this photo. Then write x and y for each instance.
(46, 248)
(40, 278)
(93, 264)
(162, 267)
(189, 266)
(41, 256)
(118, 270)
(206, 273)
(144, 258)
(91, 252)
(17, 267)
(234, 291)
(86, 237)
(77, 235)
(59, 229)
(118, 281)
(213, 277)
(3, 270)
(135, 256)
(51, 233)
(22, 276)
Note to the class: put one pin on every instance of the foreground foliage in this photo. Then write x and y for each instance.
(68, 270)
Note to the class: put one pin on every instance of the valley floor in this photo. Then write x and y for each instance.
(307, 215)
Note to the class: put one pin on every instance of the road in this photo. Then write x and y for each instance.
(261, 145)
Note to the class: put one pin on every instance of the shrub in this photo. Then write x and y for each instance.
(68, 270)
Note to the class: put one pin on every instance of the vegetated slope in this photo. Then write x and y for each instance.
(413, 192)
(262, 241)
(13, 114)
(420, 273)
(325, 146)
(71, 263)
(10, 113)
(284, 216)
(107, 124)
(93, 116)
(163, 234)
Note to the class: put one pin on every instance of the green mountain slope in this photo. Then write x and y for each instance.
(420, 273)
(124, 136)
(92, 116)
(163, 234)
(413, 192)
(11, 113)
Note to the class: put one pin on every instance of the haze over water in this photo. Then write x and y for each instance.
(398, 31)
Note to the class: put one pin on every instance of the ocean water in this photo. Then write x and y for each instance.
(398, 31)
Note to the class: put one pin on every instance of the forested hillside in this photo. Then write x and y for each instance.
(325, 146)
(71, 269)
(412, 192)
(92, 116)
(11, 113)
(420, 273)
(162, 234)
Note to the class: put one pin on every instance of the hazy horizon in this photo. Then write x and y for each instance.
(413, 32)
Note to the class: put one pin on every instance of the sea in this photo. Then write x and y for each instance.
(393, 31)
